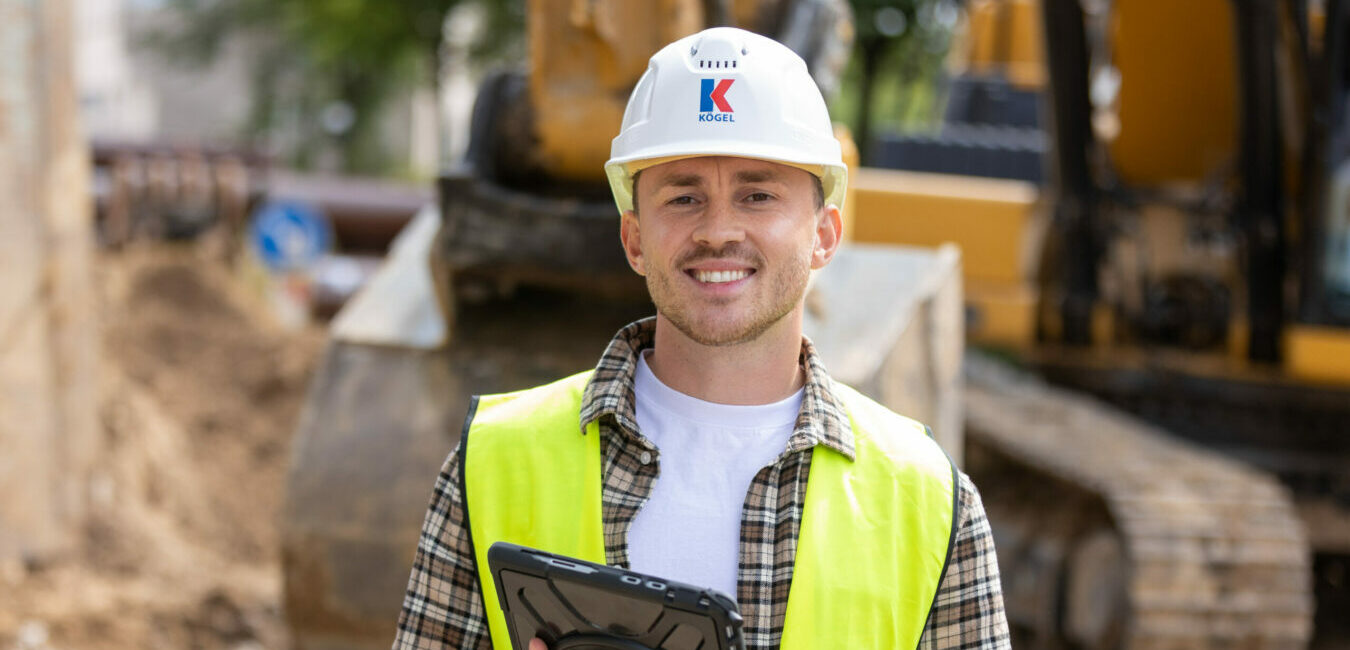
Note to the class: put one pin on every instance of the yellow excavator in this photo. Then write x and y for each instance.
(1185, 258)
(1142, 271)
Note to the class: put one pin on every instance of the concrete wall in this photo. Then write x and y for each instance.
(48, 346)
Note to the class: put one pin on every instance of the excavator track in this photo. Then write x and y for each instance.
(1112, 533)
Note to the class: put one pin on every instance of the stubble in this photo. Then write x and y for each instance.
(731, 321)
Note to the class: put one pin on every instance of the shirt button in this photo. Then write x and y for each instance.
(645, 458)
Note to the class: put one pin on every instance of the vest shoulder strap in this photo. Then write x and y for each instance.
(531, 477)
(876, 535)
(902, 439)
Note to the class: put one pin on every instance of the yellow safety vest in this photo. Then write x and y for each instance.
(876, 532)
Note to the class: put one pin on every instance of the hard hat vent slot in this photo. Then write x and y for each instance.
(706, 64)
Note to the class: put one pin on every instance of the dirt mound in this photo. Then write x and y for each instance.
(200, 397)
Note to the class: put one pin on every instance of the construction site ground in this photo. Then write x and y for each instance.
(200, 392)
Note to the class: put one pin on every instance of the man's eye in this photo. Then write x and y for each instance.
(681, 200)
(757, 197)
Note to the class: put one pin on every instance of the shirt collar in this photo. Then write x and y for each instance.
(821, 421)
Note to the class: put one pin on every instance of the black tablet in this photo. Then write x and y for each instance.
(576, 605)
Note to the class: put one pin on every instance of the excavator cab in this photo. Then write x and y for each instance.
(1152, 200)
(1195, 158)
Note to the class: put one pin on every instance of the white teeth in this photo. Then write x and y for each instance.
(713, 277)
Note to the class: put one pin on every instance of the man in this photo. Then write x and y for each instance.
(709, 445)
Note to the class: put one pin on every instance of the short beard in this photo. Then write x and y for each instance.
(791, 282)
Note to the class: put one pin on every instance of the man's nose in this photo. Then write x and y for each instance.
(719, 225)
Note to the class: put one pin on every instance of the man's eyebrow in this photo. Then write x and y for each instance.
(748, 176)
(682, 180)
(758, 176)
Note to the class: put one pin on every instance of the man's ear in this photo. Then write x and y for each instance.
(632, 241)
(829, 232)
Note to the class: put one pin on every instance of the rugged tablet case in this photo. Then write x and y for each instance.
(576, 605)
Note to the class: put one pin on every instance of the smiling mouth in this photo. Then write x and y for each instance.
(719, 277)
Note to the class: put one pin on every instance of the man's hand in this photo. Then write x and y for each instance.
(537, 644)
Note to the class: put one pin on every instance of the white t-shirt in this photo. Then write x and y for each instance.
(689, 530)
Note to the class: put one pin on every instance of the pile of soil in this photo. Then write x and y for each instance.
(200, 395)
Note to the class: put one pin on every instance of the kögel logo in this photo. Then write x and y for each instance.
(714, 95)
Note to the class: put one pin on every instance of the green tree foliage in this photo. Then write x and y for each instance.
(324, 69)
(892, 78)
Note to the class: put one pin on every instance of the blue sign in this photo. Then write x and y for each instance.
(289, 235)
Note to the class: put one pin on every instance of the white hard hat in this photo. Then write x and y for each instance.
(726, 92)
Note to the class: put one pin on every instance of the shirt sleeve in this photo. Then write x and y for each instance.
(968, 612)
(443, 607)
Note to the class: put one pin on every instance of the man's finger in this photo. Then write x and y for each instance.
(537, 644)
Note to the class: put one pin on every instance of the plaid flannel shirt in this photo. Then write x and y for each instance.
(443, 607)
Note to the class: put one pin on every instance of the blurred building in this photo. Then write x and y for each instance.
(115, 102)
(129, 91)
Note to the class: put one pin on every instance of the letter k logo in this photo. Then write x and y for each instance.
(715, 95)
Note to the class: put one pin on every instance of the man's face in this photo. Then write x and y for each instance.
(727, 244)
